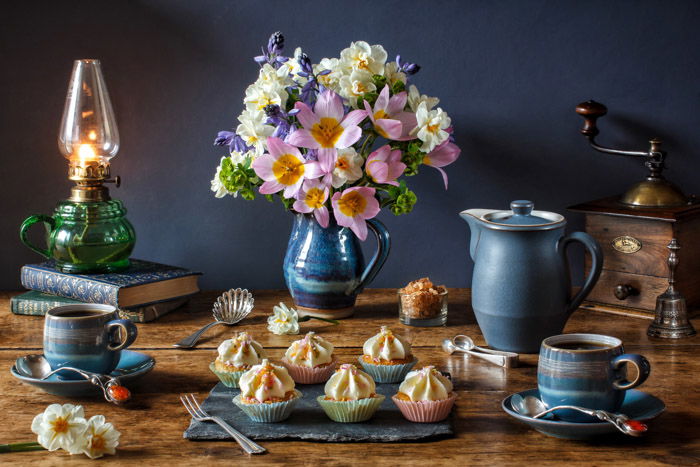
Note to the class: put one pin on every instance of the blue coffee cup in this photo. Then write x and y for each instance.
(86, 336)
(586, 370)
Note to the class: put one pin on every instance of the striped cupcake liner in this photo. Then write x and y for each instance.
(229, 378)
(305, 375)
(351, 411)
(268, 413)
(425, 411)
(387, 373)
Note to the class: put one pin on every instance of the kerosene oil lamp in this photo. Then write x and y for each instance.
(88, 232)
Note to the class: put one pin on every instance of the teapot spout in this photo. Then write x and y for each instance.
(474, 218)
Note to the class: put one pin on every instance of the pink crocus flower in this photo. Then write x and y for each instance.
(312, 198)
(353, 207)
(389, 118)
(385, 166)
(444, 154)
(327, 128)
(283, 168)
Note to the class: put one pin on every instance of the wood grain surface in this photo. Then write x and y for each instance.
(153, 423)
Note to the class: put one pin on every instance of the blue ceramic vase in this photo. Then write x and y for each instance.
(521, 285)
(324, 267)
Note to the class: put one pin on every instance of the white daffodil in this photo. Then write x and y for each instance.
(415, 99)
(283, 320)
(393, 74)
(277, 78)
(259, 95)
(291, 67)
(253, 129)
(99, 438)
(355, 85)
(329, 80)
(348, 167)
(217, 185)
(431, 127)
(361, 56)
(59, 426)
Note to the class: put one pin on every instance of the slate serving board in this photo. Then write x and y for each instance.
(310, 422)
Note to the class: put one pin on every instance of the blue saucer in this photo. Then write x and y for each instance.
(132, 365)
(637, 405)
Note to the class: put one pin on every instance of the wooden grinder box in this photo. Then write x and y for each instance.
(634, 242)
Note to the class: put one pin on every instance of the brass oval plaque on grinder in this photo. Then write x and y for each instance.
(627, 244)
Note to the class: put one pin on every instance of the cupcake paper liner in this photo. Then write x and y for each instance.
(425, 411)
(351, 411)
(387, 373)
(305, 375)
(229, 378)
(268, 413)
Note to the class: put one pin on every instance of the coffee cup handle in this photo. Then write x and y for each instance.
(643, 370)
(129, 330)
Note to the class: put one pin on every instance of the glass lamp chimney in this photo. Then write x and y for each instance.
(88, 137)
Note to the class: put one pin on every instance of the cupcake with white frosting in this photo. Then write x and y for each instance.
(310, 360)
(267, 393)
(236, 356)
(387, 357)
(425, 396)
(350, 395)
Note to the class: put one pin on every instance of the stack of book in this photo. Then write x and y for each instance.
(142, 293)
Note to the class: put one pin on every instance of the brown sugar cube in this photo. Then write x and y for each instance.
(421, 299)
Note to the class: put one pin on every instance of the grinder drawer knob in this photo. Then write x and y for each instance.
(622, 291)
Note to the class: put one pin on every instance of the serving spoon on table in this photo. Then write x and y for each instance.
(37, 367)
(531, 406)
(465, 344)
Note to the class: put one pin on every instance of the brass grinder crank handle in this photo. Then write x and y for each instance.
(591, 111)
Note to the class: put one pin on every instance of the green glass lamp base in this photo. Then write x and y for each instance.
(86, 237)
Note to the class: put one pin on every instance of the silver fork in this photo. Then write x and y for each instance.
(197, 413)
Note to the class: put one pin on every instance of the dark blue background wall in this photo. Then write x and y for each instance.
(508, 72)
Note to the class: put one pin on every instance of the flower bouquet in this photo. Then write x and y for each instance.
(332, 141)
(334, 138)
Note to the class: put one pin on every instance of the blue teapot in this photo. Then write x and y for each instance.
(521, 286)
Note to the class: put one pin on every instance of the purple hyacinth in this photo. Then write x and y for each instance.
(271, 54)
(280, 119)
(408, 68)
(232, 140)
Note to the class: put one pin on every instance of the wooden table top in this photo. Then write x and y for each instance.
(152, 425)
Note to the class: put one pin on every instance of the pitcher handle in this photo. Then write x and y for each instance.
(377, 261)
(596, 264)
(49, 223)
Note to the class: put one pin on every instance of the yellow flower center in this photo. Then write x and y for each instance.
(288, 169)
(327, 132)
(97, 442)
(380, 114)
(314, 198)
(60, 425)
(434, 128)
(342, 163)
(351, 204)
(362, 63)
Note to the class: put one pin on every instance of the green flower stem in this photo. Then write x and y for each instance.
(307, 318)
(21, 447)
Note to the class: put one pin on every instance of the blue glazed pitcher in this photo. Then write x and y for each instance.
(324, 267)
(521, 286)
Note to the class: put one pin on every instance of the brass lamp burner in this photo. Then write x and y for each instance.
(89, 178)
(655, 190)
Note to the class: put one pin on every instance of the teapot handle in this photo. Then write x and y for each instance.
(596, 264)
(377, 261)
(49, 223)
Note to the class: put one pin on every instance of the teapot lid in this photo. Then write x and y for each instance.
(522, 214)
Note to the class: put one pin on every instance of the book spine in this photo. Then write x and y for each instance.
(30, 307)
(69, 286)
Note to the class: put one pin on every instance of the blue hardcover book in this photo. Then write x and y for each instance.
(141, 284)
